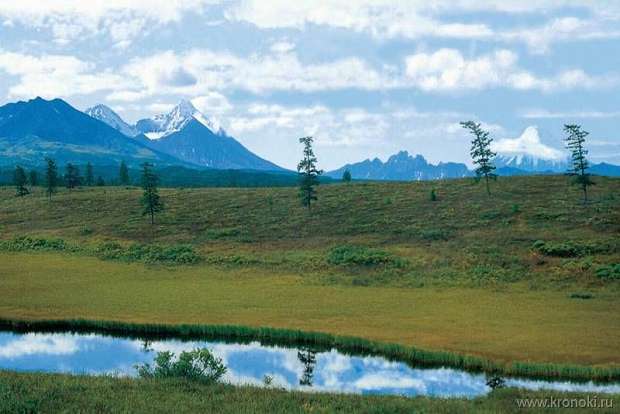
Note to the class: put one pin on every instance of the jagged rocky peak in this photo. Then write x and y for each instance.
(106, 114)
(184, 112)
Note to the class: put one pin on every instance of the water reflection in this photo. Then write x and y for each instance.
(290, 368)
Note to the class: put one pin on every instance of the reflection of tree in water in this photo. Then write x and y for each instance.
(307, 357)
(146, 346)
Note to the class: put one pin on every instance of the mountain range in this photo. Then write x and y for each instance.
(402, 167)
(185, 138)
(38, 128)
(188, 135)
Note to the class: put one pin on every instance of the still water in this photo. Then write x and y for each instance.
(249, 363)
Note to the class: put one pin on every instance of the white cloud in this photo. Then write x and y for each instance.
(201, 71)
(528, 143)
(122, 20)
(54, 76)
(212, 103)
(420, 18)
(449, 70)
(282, 47)
(539, 39)
(546, 114)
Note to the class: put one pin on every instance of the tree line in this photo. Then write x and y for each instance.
(481, 153)
(150, 200)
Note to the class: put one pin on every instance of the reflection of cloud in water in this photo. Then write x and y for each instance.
(563, 386)
(387, 379)
(30, 344)
(249, 363)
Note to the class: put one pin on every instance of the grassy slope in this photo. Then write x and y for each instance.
(52, 393)
(501, 325)
(480, 291)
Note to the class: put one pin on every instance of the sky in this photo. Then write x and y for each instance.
(366, 78)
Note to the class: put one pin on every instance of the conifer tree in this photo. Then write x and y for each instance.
(123, 174)
(51, 177)
(20, 181)
(346, 176)
(72, 176)
(308, 174)
(481, 153)
(90, 178)
(33, 178)
(150, 200)
(100, 182)
(575, 140)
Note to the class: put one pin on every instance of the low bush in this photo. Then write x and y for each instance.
(175, 254)
(609, 272)
(199, 365)
(362, 256)
(581, 295)
(24, 243)
(569, 249)
(178, 254)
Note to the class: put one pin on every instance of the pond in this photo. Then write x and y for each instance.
(250, 363)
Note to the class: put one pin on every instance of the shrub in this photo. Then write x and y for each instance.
(179, 254)
(198, 365)
(23, 243)
(433, 195)
(109, 250)
(569, 249)
(581, 295)
(362, 256)
(609, 272)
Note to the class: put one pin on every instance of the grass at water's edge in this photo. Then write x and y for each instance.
(409, 355)
(39, 392)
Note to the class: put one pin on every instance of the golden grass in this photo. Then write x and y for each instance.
(503, 325)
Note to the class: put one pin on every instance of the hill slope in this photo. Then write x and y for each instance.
(187, 134)
(33, 130)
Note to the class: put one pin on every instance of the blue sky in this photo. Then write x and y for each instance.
(366, 78)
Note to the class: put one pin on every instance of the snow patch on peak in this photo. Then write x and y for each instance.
(105, 114)
(165, 124)
(528, 144)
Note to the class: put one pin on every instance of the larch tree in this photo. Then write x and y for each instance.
(51, 177)
(575, 140)
(20, 180)
(151, 203)
(89, 179)
(72, 176)
(123, 174)
(308, 174)
(481, 153)
(346, 176)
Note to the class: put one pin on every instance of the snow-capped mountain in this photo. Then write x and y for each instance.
(107, 115)
(162, 125)
(529, 153)
(39, 128)
(188, 135)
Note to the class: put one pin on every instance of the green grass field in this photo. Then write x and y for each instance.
(21, 393)
(374, 260)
